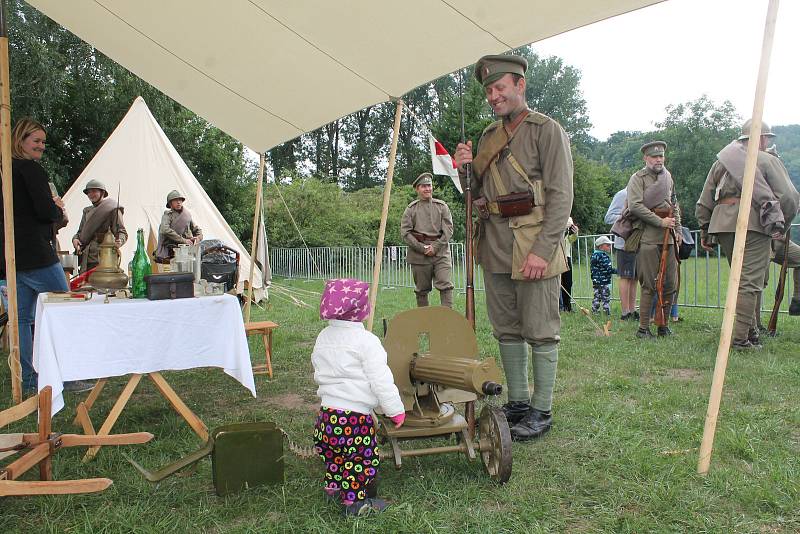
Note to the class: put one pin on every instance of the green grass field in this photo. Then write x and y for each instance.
(622, 456)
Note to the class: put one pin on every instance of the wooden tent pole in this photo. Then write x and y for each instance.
(718, 380)
(387, 193)
(8, 210)
(254, 246)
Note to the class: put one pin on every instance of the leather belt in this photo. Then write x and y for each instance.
(423, 237)
(731, 201)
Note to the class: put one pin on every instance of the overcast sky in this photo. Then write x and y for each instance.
(636, 64)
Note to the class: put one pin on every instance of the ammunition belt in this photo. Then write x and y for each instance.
(424, 237)
(731, 201)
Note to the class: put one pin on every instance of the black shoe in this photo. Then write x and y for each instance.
(635, 315)
(794, 307)
(664, 331)
(744, 345)
(78, 386)
(754, 337)
(515, 411)
(532, 426)
(625, 316)
(644, 333)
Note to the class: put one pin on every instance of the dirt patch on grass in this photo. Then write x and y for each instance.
(293, 401)
(683, 374)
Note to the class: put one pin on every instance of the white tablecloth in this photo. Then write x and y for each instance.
(85, 340)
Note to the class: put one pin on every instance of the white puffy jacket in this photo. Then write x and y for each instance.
(351, 371)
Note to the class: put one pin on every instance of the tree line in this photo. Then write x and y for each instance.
(332, 179)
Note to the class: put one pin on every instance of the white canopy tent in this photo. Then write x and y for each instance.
(139, 161)
(266, 71)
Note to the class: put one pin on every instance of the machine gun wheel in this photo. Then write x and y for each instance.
(495, 444)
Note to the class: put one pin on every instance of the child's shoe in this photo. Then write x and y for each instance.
(365, 507)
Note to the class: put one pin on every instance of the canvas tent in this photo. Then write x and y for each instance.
(266, 71)
(139, 161)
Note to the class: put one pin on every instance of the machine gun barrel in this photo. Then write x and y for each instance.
(477, 376)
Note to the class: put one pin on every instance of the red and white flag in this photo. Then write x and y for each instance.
(443, 163)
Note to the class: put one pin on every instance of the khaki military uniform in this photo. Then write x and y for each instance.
(648, 257)
(717, 210)
(429, 222)
(171, 237)
(90, 254)
(537, 159)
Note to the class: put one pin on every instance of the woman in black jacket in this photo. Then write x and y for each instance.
(35, 212)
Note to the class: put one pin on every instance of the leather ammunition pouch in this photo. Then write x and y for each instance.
(515, 204)
(662, 212)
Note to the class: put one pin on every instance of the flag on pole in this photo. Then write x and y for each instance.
(443, 163)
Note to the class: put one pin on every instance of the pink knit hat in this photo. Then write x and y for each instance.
(345, 299)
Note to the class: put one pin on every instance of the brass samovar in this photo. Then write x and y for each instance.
(108, 274)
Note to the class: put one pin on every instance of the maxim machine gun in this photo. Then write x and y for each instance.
(433, 354)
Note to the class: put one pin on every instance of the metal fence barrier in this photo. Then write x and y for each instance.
(704, 276)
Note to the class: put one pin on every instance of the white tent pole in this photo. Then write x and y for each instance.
(738, 247)
(387, 193)
(254, 246)
(8, 210)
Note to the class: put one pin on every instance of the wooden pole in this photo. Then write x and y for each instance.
(254, 246)
(387, 193)
(718, 380)
(8, 210)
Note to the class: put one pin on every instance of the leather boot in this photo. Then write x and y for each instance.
(515, 411)
(535, 424)
(446, 297)
(422, 300)
(794, 306)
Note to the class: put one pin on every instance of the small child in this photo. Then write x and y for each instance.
(601, 275)
(353, 377)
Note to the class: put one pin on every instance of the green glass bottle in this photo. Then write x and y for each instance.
(140, 267)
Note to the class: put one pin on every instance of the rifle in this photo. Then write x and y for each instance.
(661, 318)
(469, 283)
(772, 326)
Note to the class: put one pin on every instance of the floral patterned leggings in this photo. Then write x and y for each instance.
(345, 440)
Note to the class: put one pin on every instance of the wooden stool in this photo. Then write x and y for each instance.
(264, 328)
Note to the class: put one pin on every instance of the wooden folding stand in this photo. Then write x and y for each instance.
(82, 418)
(38, 448)
(264, 329)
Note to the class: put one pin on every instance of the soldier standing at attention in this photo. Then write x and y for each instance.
(772, 209)
(105, 213)
(653, 205)
(522, 179)
(427, 227)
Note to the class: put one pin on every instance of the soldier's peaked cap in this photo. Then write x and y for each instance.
(654, 148)
(95, 184)
(425, 178)
(489, 69)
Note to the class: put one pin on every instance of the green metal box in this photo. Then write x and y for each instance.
(246, 455)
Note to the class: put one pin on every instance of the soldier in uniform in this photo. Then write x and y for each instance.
(654, 208)
(522, 178)
(774, 205)
(105, 213)
(177, 228)
(427, 227)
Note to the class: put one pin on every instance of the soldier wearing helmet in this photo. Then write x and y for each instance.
(103, 214)
(177, 228)
(773, 206)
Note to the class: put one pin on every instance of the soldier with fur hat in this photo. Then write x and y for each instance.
(774, 205)
(177, 228)
(427, 227)
(522, 179)
(104, 213)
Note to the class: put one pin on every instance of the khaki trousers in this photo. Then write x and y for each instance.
(521, 310)
(754, 267)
